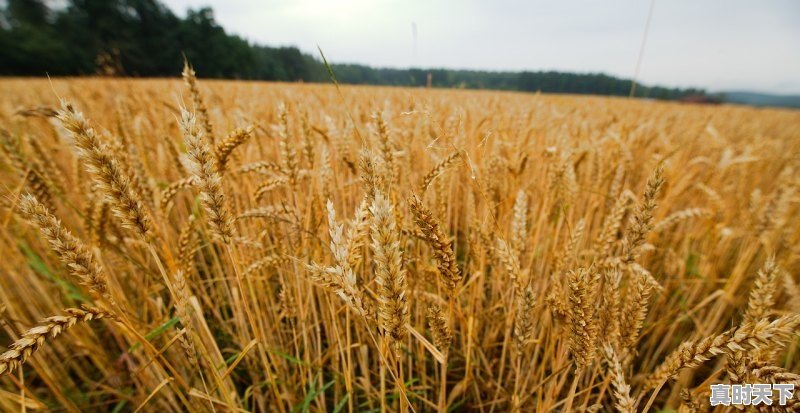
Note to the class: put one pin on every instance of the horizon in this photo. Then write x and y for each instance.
(747, 47)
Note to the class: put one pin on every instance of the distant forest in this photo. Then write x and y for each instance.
(144, 38)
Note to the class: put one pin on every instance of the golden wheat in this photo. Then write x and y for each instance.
(284, 248)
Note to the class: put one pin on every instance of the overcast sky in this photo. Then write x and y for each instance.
(713, 44)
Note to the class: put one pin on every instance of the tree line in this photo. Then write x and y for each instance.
(144, 38)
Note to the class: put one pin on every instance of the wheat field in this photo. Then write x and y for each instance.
(198, 245)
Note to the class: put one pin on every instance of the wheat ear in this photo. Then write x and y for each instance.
(204, 170)
(440, 330)
(749, 336)
(762, 296)
(109, 174)
(583, 328)
(390, 274)
(642, 221)
(622, 390)
(437, 170)
(189, 76)
(224, 149)
(439, 243)
(523, 320)
(635, 307)
(51, 327)
(70, 250)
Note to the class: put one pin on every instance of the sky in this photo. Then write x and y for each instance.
(717, 45)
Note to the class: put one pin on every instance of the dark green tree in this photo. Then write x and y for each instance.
(144, 38)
